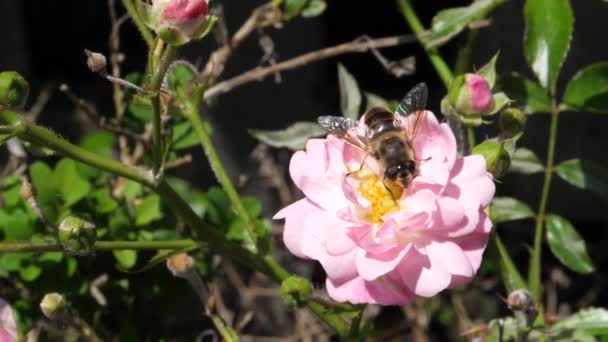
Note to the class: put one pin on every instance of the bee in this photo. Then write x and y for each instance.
(385, 138)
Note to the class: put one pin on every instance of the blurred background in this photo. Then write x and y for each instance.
(44, 41)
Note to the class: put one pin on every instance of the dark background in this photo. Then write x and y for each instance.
(44, 41)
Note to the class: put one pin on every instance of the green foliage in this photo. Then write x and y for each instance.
(547, 38)
(527, 94)
(526, 162)
(504, 209)
(588, 89)
(68, 182)
(567, 245)
(305, 8)
(449, 22)
(586, 175)
(350, 95)
(293, 137)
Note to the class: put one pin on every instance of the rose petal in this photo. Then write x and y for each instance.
(371, 266)
(422, 276)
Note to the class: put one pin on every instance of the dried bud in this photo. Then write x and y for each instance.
(179, 21)
(496, 156)
(76, 234)
(180, 264)
(520, 300)
(53, 305)
(96, 62)
(14, 89)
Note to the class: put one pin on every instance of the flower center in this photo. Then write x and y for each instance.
(383, 200)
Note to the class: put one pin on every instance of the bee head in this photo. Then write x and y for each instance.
(401, 172)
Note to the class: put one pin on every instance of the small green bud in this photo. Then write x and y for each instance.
(14, 89)
(497, 157)
(76, 234)
(511, 122)
(53, 305)
(296, 290)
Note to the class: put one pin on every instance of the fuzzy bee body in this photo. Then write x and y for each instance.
(386, 139)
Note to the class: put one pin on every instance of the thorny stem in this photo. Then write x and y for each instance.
(535, 260)
(442, 68)
(138, 21)
(155, 84)
(192, 114)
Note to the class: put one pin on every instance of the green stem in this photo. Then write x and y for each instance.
(138, 21)
(471, 137)
(226, 334)
(535, 260)
(44, 137)
(52, 246)
(463, 61)
(192, 114)
(442, 68)
(155, 84)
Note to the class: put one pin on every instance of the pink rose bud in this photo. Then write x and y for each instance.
(481, 95)
(8, 325)
(178, 21)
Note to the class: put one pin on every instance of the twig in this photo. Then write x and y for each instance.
(261, 17)
(358, 45)
(41, 100)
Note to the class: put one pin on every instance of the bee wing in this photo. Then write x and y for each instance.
(414, 103)
(341, 127)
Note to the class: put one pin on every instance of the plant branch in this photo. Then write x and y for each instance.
(358, 45)
(535, 259)
(44, 137)
(138, 21)
(192, 114)
(53, 246)
(442, 68)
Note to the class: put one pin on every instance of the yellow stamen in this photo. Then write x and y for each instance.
(376, 192)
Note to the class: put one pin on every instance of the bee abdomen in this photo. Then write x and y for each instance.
(380, 121)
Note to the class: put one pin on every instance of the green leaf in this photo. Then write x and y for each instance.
(527, 94)
(54, 257)
(12, 262)
(592, 320)
(99, 142)
(184, 136)
(350, 95)
(293, 137)
(588, 89)
(141, 108)
(314, 8)
(511, 276)
(293, 8)
(253, 206)
(30, 272)
(46, 195)
(68, 181)
(504, 209)
(372, 100)
(450, 22)
(11, 192)
(103, 201)
(148, 210)
(126, 258)
(16, 225)
(567, 245)
(180, 77)
(526, 162)
(547, 38)
(586, 175)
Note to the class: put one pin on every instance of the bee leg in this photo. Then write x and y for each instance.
(388, 188)
(360, 166)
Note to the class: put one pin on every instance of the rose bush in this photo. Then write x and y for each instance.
(379, 249)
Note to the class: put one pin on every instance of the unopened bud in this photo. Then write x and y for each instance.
(296, 290)
(52, 305)
(512, 122)
(180, 264)
(76, 234)
(496, 156)
(178, 21)
(26, 191)
(96, 62)
(14, 89)
(470, 95)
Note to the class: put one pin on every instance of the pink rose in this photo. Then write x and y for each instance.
(481, 94)
(183, 16)
(375, 249)
(8, 326)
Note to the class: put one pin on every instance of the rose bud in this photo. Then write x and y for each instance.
(52, 305)
(14, 89)
(496, 156)
(179, 21)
